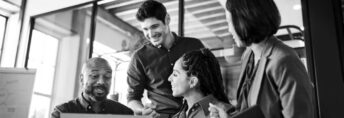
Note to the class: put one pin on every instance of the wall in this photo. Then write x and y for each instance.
(65, 78)
(109, 36)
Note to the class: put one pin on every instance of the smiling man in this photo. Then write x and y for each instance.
(95, 81)
(152, 64)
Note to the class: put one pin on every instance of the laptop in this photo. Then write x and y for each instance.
(80, 115)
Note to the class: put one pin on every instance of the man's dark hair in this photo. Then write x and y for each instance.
(151, 9)
(204, 65)
(254, 20)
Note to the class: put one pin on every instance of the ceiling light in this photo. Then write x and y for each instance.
(297, 7)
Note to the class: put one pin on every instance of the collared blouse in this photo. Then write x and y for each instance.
(197, 110)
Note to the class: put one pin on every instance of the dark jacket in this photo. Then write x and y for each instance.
(281, 86)
(79, 105)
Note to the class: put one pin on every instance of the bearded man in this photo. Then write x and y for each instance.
(95, 80)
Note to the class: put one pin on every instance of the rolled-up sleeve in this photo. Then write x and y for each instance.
(136, 78)
(57, 111)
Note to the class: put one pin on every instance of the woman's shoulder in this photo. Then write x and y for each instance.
(281, 51)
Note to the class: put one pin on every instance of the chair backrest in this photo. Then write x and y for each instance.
(296, 35)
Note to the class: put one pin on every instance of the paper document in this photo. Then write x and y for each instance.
(16, 86)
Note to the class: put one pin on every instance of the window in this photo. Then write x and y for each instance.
(59, 44)
(43, 58)
(10, 25)
(3, 22)
(119, 62)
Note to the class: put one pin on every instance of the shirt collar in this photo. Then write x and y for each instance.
(87, 105)
(204, 103)
(176, 39)
(84, 103)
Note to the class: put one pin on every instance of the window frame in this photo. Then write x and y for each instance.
(3, 37)
(323, 21)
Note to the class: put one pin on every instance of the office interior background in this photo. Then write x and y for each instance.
(55, 37)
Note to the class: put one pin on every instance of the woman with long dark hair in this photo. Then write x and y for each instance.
(197, 78)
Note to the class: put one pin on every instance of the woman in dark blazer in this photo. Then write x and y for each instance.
(273, 77)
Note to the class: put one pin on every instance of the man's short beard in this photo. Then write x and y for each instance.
(89, 92)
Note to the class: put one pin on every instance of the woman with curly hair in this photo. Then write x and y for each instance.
(197, 78)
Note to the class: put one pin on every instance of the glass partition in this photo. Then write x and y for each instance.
(205, 20)
(43, 58)
(61, 42)
(291, 31)
(117, 31)
(11, 19)
(58, 45)
(3, 23)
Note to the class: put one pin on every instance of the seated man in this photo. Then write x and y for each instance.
(95, 81)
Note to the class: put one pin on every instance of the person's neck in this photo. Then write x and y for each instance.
(258, 49)
(192, 98)
(96, 105)
(168, 41)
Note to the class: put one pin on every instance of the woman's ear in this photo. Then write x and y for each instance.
(193, 82)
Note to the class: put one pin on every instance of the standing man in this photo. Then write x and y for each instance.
(152, 64)
(95, 81)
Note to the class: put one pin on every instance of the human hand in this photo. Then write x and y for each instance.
(148, 111)
(218, 110)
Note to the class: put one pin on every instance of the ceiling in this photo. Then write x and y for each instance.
(203, 19)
